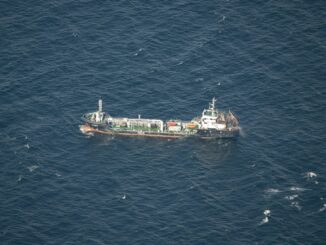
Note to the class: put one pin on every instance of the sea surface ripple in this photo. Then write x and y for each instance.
(264, 60)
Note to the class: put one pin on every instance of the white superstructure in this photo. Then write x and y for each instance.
(211, 119)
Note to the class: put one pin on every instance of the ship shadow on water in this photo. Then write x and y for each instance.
(212, 153)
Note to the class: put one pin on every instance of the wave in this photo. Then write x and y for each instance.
(292, 197)
(310, 175)
(272, 191)
(20, 177)
(323, 208)
(294, 188)
(32, 168)
(296, 205)
(264, 221)
(267, 213)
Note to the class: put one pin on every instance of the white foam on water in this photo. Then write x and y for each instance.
(272, 190)
(89, 134)
(32, 168)
(264, 221)
(124, 197)
(20, 178)
(267, 212)
(323, 208)
(296, 205)
(57, 174)
(310, 175)
(294, 188)
(223, 19)
(137, 53)
(292, 197)
(26, 146)
(242, 132)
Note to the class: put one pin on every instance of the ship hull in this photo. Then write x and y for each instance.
(217, 134)
(203, 134)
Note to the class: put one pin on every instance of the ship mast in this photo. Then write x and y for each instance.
(212, 104)
(100, 105)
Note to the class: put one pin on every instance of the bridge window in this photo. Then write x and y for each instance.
(207, 113)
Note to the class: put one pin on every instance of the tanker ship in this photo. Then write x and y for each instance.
(211, 124)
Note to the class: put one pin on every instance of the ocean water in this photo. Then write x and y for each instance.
(264, 60)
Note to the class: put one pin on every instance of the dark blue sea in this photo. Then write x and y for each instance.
(264, 60)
